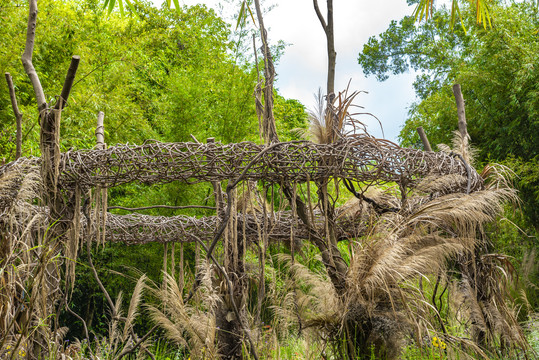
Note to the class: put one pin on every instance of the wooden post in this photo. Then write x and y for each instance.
(100, 130)
(268, 120)
(463, 128)
(181, 278)
(18, 116)
(101, 198)
(218, 192)
(424, 139)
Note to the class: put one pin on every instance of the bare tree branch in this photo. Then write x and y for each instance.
(68, 83)
(463, 128)
(27, 57)
(320, 16)
(330, 37)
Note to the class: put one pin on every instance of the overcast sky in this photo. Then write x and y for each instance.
(303, 67)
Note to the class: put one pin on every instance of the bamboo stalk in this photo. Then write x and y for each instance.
(18, 116)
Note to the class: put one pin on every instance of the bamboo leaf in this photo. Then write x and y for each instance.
(454, 11)
(461, 21)
(422, 10)
(425, 9)
(131, 6)
(251, 13)
(176, 5)
(111, 5)
(241, 15)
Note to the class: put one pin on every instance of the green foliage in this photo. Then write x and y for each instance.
(162, 75)
(290, 116)
(498, 75)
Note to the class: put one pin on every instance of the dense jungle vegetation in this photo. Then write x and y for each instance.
(175, 76)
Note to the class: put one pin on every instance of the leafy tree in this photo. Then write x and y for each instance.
(290, 116)
(498, 73)
(159, 75)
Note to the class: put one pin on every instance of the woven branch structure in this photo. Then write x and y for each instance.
(359, 158)
(134, 229)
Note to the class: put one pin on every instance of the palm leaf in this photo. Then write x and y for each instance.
(242, 14)
(425, 9)
(121, 6)
(110, 4)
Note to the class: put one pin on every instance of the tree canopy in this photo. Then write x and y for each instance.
(497, 69)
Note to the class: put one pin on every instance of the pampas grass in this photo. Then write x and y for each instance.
(188, 326)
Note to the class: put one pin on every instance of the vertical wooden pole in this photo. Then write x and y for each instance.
(217, 191)
(100, 130)
(173, 260)
(181, 278)
(101, 198)
(463, 127)
(165, 265)
(424, 139)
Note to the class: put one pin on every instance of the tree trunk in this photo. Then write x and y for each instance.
(230, 335)
(268, 123)
(332, 54)
(330, 39)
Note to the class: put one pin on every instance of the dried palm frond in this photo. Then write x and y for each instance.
(332, 118)
(461, 147)
(498, 176)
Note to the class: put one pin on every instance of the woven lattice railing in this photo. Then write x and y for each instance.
(362, 159)
(140, 229)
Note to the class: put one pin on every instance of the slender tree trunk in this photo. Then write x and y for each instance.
(461, 112)
(330, 39)
(332, 54)
(61, 206)
(268, 123)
